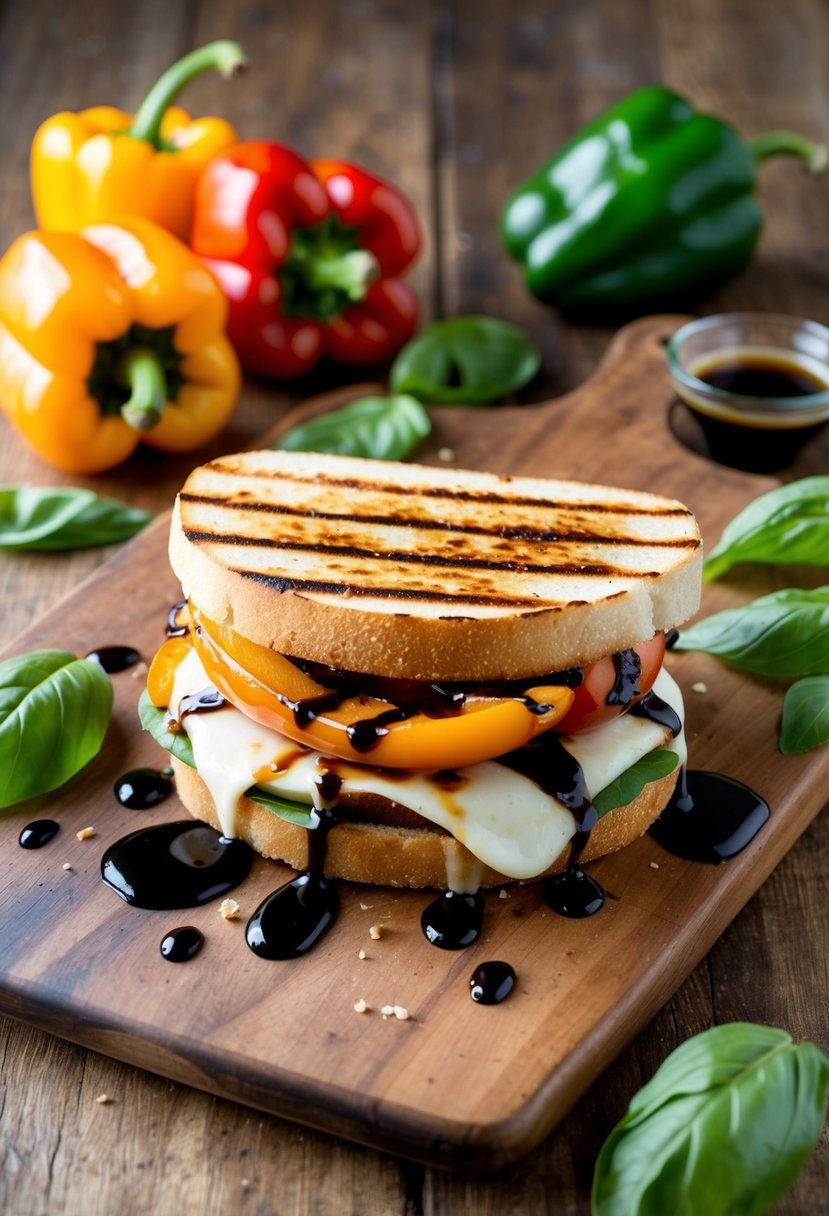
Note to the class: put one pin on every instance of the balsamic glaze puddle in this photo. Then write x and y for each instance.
(293, 919)
(180, 945)
(453, 921)
(491, 983)
(175, 865)
(38, 833)
(709, 818)
(141, 788)
(573, 894)
(115, 658)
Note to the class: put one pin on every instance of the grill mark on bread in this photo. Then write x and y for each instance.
(281, 583)
(596, 569)
(489, 497)
(521, 532)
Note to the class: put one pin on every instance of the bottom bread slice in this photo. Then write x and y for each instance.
(383, 854)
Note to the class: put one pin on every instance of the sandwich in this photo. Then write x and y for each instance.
(418, 676)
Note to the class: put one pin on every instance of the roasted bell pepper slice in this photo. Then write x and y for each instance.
(308, 254)
(103, 163)
(651, 204)
(110, 338)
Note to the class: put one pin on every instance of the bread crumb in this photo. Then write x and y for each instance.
(103, 1100)
(67, 866)
(365, 907)
(395, 1011)
(85, 833)
(699, 687)
(139, 670)
(654, 865)
(503, 893)
(361, 954)
(375, 933)
(228, 909)
(446, 454)
(361, 1007)
(245, 1183)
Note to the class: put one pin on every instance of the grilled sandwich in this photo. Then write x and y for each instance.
(453, 666)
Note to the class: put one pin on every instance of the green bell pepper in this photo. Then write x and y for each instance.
(650, 204)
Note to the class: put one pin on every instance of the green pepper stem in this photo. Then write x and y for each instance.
(226, 57)
(351, 272)
(141, 371)
(789, 143)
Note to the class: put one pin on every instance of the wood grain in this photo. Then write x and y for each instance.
(511, 81)
(449, 1087)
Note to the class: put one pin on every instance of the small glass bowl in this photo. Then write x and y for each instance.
(757, 432)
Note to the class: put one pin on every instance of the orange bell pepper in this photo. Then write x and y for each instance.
(109, 338)
(103, 163)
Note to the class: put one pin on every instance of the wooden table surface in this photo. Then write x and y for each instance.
(456, 102)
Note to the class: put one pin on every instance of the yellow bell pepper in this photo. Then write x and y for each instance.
(102, 164)
(109, 338)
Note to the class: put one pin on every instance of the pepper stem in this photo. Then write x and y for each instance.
(789, 143)
(226, 57)
(350, 273)
(141, 371)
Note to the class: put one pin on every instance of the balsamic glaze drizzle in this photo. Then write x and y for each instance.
(491, 983)
(294, 918)
(453, 921)
(115, 658)
(175, 865)
(709, 818)
(180, 945)
(628, 670)
(142, 788)
(656, 710)
(202, 702)
(38, 833)
(174, 630)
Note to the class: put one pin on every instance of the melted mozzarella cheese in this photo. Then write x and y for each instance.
(502, 817)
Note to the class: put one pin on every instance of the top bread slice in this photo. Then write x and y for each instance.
(430, 573)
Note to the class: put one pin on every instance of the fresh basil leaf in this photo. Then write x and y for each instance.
(629, 784)
(805, 715)
(789, 524)
(465, 361)
(54, 712)
(381, 428)
(294, 812)
(723, 1127)
(782, 634)
(64, 517)
(155, 721)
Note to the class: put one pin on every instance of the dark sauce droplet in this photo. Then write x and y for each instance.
(142, 788)
(203, 702)
(574, 894)
(656, 710)
(174, 628)
(453, 921)
(180, 945)
(175, 865)
(38, 833)
(115, 658)
(491, 983)
(628, 670)
(292, 920)
(709, 818)
(671, 638)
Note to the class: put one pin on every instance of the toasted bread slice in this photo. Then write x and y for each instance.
(430, 573)
(388, 854)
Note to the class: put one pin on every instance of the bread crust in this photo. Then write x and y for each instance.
(231, 550)
(384, 855)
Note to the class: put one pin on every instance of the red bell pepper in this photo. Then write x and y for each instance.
(308, 254)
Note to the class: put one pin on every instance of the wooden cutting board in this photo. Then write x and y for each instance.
(456, 1084)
